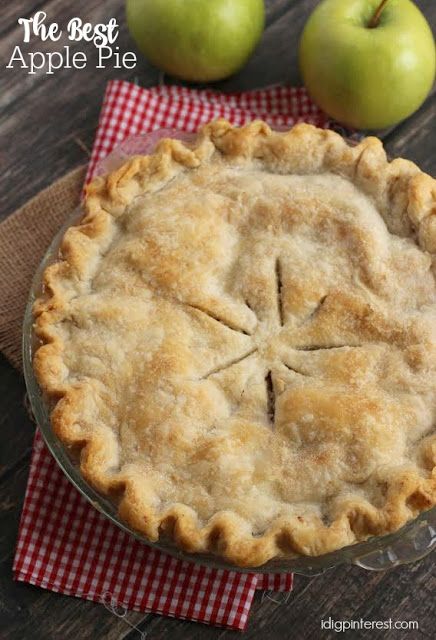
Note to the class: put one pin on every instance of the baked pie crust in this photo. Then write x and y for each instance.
(239, 336)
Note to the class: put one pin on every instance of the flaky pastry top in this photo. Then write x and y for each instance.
(239, 337)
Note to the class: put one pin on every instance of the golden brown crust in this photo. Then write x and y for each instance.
(204, 281)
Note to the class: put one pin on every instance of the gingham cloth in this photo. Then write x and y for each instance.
(66, 545)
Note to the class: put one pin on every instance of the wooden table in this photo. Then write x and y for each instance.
(47, 123)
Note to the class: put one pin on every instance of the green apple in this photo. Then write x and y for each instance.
(367, 63)
(198, 40)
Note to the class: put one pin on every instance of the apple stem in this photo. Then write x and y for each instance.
(376, 17)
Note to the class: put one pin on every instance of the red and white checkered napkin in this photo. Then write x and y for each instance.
(66, 545)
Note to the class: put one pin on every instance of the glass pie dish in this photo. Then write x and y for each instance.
(410, 543)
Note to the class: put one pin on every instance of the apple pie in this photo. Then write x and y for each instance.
(238, 338)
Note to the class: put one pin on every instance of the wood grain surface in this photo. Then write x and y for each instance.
(46, 125)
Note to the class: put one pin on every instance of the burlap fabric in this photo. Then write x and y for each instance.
(24, 238)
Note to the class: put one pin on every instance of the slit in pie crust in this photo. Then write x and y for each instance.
(239, 335)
